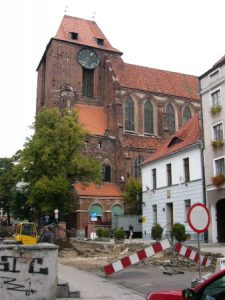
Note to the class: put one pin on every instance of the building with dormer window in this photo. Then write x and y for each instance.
(129, 110)
(172, 180)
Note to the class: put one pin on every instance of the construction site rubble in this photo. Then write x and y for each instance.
(93, 255)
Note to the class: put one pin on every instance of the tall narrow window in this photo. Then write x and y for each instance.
(169, 174)
(88, 82)
(148, 117)
(138, 162)
(187, 205)
(186, 114)
(170, 118)
(219, 166)
(106, 173)
(218, 131)
(186, 169)
(129, 114)
(154, 182)
(215, 97)
(154, 211)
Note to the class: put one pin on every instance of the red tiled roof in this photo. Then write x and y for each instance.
(93, 118)
(155, 80)
(134, 141)
(189, 134)
(87, 31)
(104, 190)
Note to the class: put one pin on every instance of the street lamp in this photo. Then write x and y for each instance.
(56, 212)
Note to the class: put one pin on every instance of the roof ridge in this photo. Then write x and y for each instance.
(167, 71)
(72, 17)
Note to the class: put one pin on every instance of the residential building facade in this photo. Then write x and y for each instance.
(212, 90)
(129, 110)
(172, 180)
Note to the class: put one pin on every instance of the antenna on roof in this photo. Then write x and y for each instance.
(93, 16)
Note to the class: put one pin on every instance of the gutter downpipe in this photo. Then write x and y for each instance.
(202, 147)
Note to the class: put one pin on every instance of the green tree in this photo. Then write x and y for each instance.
(51, 161)
(8, 182)
(132, 195)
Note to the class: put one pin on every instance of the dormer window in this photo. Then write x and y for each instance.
(100, 42)
(73, 35)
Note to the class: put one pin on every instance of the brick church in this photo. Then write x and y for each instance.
(128, 109)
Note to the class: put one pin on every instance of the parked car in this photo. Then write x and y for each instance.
(211, 289)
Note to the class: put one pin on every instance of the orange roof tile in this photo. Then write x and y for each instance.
(87, 31)
(135, 141)
(155, 80)
(188, 135)
(93, 118)
(103, 190)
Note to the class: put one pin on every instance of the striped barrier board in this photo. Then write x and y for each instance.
(191, 254)
(132, 259)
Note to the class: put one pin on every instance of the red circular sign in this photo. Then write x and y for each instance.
(198, 217)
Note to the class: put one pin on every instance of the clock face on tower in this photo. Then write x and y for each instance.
(88, 58)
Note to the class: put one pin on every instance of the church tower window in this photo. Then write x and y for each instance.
(148, 117)
(129, 114)
(106, 173)
(170, 118)
(88, 82)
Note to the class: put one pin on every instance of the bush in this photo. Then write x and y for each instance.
(118, 234)
(156, 232)
(179, 232)
(102, 232)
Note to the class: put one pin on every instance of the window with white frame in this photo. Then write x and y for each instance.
(218, 131)
(219, 166)
(214, 75)
(215, 98)
(187, 205)
(169, 174)
(186, 169)
(154, 211)
(154, 180)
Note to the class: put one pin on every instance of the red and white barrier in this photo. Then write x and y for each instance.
(132, 259)
(192, 255)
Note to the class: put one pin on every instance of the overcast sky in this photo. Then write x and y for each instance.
(184, 36)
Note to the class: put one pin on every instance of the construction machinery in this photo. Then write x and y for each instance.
(26, 233)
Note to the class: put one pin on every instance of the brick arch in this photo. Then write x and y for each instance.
(119, 208)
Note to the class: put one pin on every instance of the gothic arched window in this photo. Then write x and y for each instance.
(170, 118)
(186, 114)
(138, 162)
(148, 117)
(129, 114)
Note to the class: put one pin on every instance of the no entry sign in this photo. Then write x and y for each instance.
(198, 217)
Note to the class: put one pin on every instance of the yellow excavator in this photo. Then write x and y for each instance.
(26, 233)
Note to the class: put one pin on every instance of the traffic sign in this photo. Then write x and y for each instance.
(198, 217)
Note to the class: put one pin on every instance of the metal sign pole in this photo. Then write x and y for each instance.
(199, 260)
